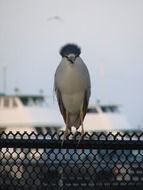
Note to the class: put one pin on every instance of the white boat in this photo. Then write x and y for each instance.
(28, 113)
(31, 112)
(105, 118)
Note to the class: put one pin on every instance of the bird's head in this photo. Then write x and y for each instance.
(70, 52)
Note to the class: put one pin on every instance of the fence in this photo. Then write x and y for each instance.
(98, 161)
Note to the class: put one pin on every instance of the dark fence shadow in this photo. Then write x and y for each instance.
(98, 161)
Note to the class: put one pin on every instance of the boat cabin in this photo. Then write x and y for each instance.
(24, 112)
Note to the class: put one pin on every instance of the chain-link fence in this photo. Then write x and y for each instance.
(98, 161)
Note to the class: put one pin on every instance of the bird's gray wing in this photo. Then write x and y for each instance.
(61, 105)
(58, 93)
(85, 102)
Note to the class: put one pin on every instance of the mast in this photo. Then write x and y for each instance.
(4, 79)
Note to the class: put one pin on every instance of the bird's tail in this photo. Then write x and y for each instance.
(74, 120)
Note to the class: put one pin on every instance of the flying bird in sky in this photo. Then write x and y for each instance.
(72, 87)
(57, 18)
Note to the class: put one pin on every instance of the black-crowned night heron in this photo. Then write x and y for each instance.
(72, 87)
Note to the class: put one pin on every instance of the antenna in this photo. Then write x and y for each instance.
(41, 91)
(102, 82)
(17, 91)
(4, 79)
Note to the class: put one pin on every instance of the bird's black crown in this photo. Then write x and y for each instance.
(70, 48)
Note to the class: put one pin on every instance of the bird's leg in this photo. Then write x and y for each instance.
(82, 128)
(66, 130)
(81, 119)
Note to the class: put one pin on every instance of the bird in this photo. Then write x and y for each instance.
(72, 87)
(52, 18)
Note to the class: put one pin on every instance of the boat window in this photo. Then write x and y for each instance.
(52, 129)
(14, 103)
(92, 110)
(30, 102)
(105, 109)
(6, 102)
(39, 130)
(114, 109)
(33, 101)
(24, 100)
(40, 101)
(27, 101)
(110, 109)
(48, 130)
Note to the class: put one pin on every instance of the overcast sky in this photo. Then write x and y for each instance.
(109, 32)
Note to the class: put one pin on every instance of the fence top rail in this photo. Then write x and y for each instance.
(88, 141)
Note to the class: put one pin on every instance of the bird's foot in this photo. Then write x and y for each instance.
(82, 134)
(66, 133)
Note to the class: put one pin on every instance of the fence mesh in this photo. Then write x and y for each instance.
(98, 161)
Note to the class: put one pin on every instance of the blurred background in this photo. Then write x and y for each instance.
(109, 32)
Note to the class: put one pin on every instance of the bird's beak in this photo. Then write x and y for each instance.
(71, 59)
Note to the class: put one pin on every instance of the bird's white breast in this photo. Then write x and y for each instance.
(73, 102)
(72, 80)
(72, 77)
